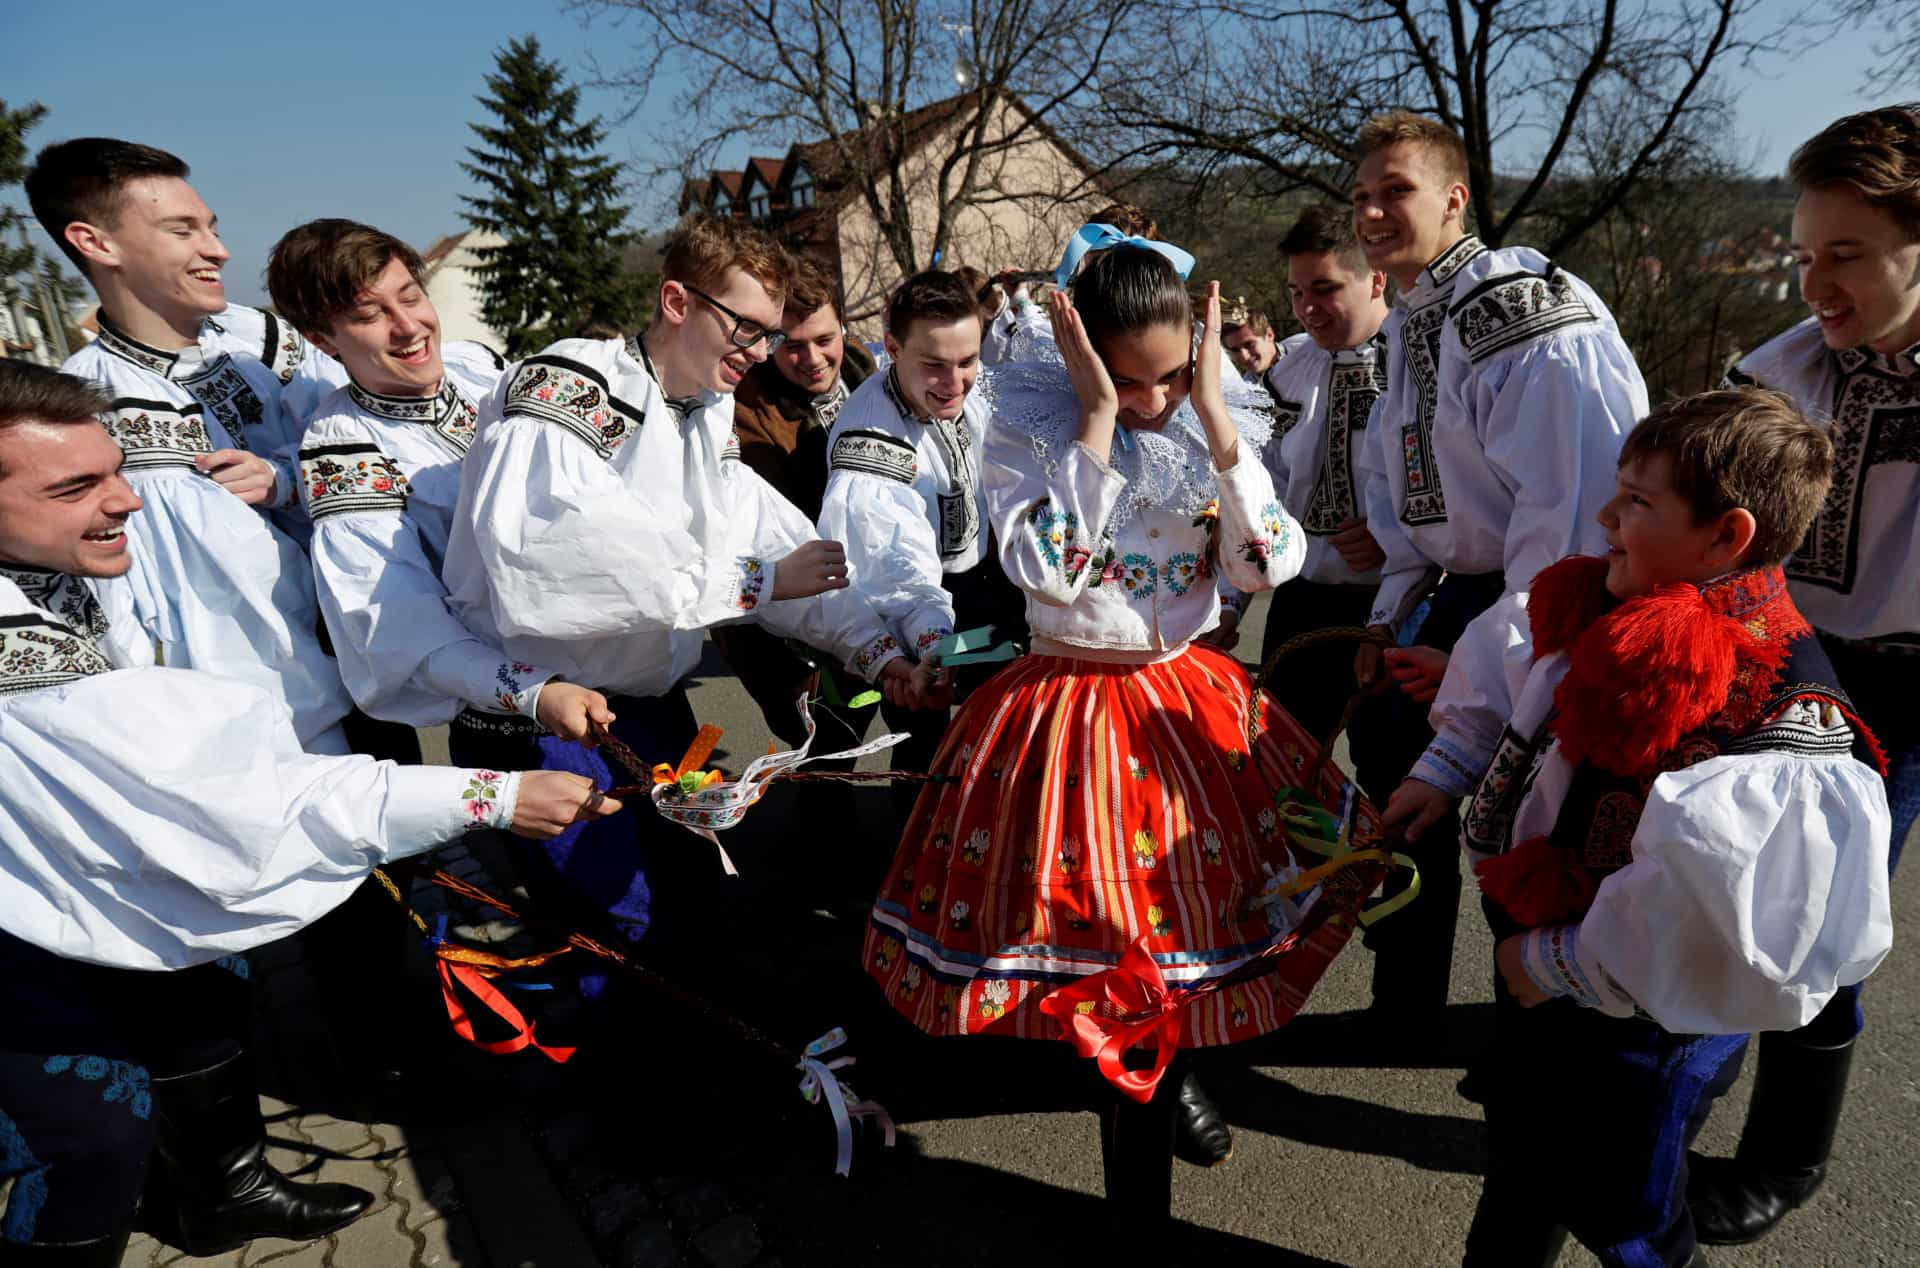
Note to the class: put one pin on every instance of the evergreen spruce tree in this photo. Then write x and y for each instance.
(14, 126)
(555, 199)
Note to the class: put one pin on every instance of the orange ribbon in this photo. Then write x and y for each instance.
(522, 1037)
(698, 752)
(1104, 1014)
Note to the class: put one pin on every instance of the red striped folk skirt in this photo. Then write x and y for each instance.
(1096, 804)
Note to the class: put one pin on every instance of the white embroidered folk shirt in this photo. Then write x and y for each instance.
(156, 818)
(380, 476)
(1857, 574)
(1493, 448)
(1321, 403)
(217, 585)
(601, 528)
(904, 495)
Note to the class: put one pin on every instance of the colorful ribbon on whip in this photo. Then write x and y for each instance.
(818, 1082)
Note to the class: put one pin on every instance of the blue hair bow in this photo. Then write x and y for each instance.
(1099, 237)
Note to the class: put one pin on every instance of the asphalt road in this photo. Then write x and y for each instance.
(1351, 1149)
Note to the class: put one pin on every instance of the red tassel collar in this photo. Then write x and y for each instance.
(1644, 673)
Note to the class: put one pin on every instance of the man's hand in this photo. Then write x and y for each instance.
(246, 476)
(896, 683)
(1508, 959)
(1366, 663)
(1357, 547)
(551, 801)
(815, 568)
(1416, 804)
(933, 686)
(1418, 670)
(567, 709)
(1226, 635)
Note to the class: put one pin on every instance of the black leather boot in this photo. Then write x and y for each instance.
(212, 1189)
(1200, 1133)
(1798, 1090)
(101, 1252)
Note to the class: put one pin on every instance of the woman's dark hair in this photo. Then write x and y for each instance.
(1123, 289)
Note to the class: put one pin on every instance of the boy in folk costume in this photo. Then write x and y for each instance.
(605, 521)
(905, 493)
(219, 584)
(1677, 839)
(379, 475)
(1102, 800)
(152, 821)
(1323, 388)
(1854, 368)
(1508, 390)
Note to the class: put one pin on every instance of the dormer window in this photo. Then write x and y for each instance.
(758, 205)
(801, 191)
(721, 203)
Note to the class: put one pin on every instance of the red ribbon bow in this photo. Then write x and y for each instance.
(1137, 1007)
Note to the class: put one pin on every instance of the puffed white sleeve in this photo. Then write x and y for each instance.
(1259, 544)
(893, 555)
(1047, 526)
(1552, 420)
(140, 848)
(403, 654)
(1486, 672)
(1758, 888)
(1405, 574)
(844, 620)
(570, 552)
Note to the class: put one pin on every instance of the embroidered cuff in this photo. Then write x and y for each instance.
(931, 634)
(755, 583)
(1449, 767)
(516, 689)
(1551, 956)
(490, 798)
(867, 661)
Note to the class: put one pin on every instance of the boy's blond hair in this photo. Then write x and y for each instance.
(1743, 447)
(1443, 146)
(703, 250)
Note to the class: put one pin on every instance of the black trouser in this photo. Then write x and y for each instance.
(1314, 684)
(1413, 959)
(78, 1050)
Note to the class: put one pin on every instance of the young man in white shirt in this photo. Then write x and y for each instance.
(1509, 390)
(1323, 389)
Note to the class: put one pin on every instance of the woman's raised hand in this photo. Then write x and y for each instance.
(1209, 399)
(1099, 403)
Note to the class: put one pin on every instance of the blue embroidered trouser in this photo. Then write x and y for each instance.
(1588, 1122)
(79, 1046)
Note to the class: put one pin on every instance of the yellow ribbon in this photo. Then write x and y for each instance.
(1303, 821)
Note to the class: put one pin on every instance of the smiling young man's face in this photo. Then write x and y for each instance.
(1340, 307)
(810, 356)
(1859, 271)
(164, 244)
(389, 341)
(937, 363)
(1405, 210)
(63, 502)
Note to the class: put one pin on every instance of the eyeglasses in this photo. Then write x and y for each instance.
(746, 331)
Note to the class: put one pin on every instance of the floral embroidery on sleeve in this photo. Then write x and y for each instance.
(753, 579)
(868, 656)
(483, 791)
(1057, 535)
(924, 645)
(1259, 550)
(511, 694)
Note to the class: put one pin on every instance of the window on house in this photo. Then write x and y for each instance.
(721, 203)
(801, 191)
(758, 205)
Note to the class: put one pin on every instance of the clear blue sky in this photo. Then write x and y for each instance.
(357, 108)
